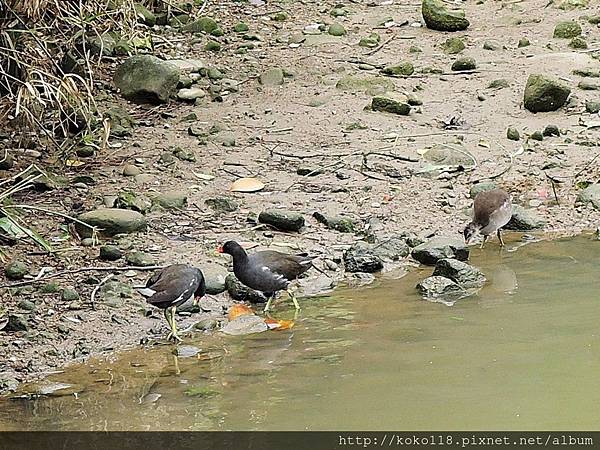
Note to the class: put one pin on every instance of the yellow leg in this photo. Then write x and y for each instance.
(293, 297)
(170, 315)
(500, 238)
(174, 322)
(483, 242)
(269, 301)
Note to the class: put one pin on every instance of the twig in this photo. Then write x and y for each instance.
(314, 171)
(81, 269)
(97, 288)
(375, 50)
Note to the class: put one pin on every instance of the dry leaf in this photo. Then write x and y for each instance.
(73, 163)
(275, 324)
(239, 310)
(203, 176)
(247, 185)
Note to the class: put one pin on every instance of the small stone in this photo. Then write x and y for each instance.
(453, 45)
(402, 69)
(214, 277)
(214, 74)
(438, 17)
(370, 41)
(438, 248)
(140, 259)
(132, 201)
(241, 27)
(191, 94)
(551, 130)
(69, 295)
(50, 288)
(500, 83)
(525, 219)
(110, 253)
(212, 46)
(490, 45)
(86, 151)
(578, 43)
(186, 351)
(338, 223)
(544, 94)
(206, 324)
(129, 170)
(592, 106)
(588, 85)
(202, 25)
(461, 273)
(282, 219)
(512, 134)
(336, 29)
(16, 270)
(27, 305)
(88, 242)
(222, 204)
(339, 11)
(482, 187)
(391, 104)
(17, 322)
(144, 15)
(415, 49)
(536, 136)
(523, 42)
(567, 29)
(272, 77)
(464, 63)
(171, 200)
(280, 16)
(589, 195)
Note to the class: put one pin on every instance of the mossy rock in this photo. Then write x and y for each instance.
(438, 17)
(146, 78)
(402, 69)
(111, 221)
(567, 30)
(578, 43)
(391, 104)
(544, 94)
(453, 45)
(202, 25)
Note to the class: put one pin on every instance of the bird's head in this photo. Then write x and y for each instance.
(231, 248)
(470, 231)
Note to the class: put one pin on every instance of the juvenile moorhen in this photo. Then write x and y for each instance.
(491, 211)
(171, 287)
(266, 271)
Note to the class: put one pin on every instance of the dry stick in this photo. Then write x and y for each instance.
(81, 269)
(375, 50)
(97, 288)
(314, 171)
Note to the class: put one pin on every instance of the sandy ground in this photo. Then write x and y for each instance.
(277, 131)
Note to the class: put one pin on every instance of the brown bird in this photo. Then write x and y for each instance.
(266, 271)
(491, 211)
(172, 286)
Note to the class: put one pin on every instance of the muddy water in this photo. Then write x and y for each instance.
(522, 354)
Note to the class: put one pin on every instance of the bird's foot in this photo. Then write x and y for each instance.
(173, 336)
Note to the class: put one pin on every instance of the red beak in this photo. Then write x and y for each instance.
(220, 249)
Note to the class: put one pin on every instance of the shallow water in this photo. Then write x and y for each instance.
(522, 354)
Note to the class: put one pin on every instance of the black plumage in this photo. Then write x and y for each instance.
(267, 271)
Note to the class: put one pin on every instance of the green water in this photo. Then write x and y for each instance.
(522, 354)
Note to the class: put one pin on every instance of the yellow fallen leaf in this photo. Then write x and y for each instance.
(247, 185)
(239, 310)
(276, 324)
(73, 163)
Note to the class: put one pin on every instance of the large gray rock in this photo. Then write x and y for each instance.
(435, 286)
(282, 219)
(590, 195)
(146, 78)
(430, 252)
(272, 77)
(461, 273)
(438, 17)
(111, 221)
(238, 291)
(525, 219)
(543, 94)
(362, 258)
(393, 248)
(171, 199)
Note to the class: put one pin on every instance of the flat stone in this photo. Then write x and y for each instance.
(129, 170)
(544, 94)
(370, 84)
(588, 85)
(186, 351)
(246, 324)
(214, 276)
(460, 272)
(111, 221)
(401, 69)
(430, 252)
(436, 286)
(282, 219)
(222, 204)
(191, 94)
(391, 104)
(171, 199)
(188, 65)
(140, 259)
(589, 195)
(338, 223)
(110, 253)
(272, 77)
(133, 201)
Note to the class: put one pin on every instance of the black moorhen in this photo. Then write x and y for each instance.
(171, 287)
(266, 271)
(491, 211)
